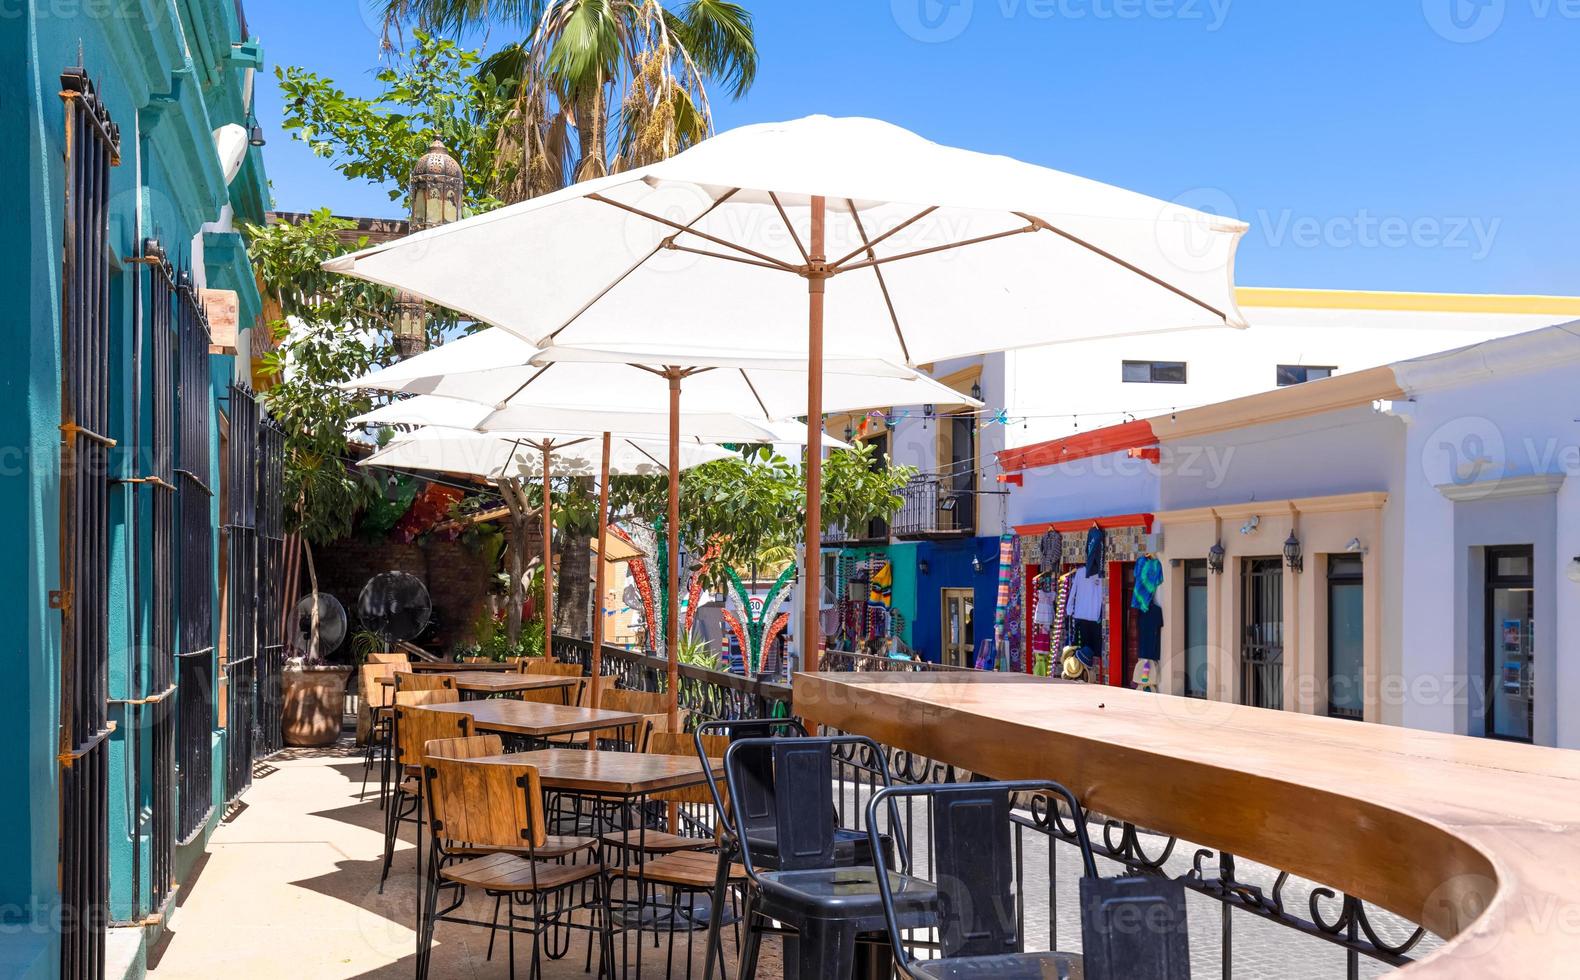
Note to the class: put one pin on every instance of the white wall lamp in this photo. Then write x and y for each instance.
(1574, 569)
(1355, 547)
(1250, 526)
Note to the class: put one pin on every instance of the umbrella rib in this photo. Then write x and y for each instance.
(899, 334)
(753, 389)
(634, 266)
(649, 455)
(869, 246)
(688, 230)
(789, 227)
(1038, 222)
(978, 240)
(777, 267)
(523, 386)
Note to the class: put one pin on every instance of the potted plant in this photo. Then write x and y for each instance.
(313, 702)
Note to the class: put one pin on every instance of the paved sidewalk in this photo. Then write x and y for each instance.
(289, 888)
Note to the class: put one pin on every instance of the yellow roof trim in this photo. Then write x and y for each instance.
(1358, 299)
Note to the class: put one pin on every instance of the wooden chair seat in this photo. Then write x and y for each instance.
(684, 869)
(509, 873)
(552, 847)
(657, 842)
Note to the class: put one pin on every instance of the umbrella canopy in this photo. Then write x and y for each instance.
(495, 368)
(930, 252)
(466, 451)
(762, 241)
(457, 413)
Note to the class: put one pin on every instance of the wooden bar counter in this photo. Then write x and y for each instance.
(1477, 840)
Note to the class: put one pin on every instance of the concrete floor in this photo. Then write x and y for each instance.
(289, 888)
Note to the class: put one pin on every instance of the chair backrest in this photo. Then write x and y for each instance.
(485, 804)
(407, 680)
(973, 862)
(756, 768)
(593, 689)
(415, 727)
(675, 743)
(375, 694)
(388, 658)
(418, 699)
(466, 747)
(636, 702)
(537, 665)
(476, 660)
(783, 791)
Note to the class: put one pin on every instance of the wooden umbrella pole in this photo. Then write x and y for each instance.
(595, 662)
(548, 563)
(817, 273)
(672, 573)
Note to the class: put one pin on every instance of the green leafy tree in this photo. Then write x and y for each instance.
(600, 86)
(434, 91)
(754, 505)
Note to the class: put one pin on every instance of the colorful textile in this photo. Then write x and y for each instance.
(880, 588)
(1050, 551)
(1149, 576)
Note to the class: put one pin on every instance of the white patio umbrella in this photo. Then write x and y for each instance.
(757, 242)
(525, 455)
(496, 368)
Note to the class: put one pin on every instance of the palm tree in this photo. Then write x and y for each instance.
(629, 78)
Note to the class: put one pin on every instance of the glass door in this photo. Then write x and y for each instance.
(1262, 635)
(1196, 628)
(1510, 683)
(958, 627)
(1346, 636)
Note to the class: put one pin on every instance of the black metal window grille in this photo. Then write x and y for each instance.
(92, 147)
(195, 568)
(271, 587)
(153, 708)
(241, 589)
(1262, 641)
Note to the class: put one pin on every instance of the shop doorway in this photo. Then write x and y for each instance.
(1262, 633)
(1510, 599)
(958, 626)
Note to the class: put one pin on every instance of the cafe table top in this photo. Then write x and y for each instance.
(606, 773)
(501, 683)
(537, 720)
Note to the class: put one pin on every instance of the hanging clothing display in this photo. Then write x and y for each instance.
(1096, 551)
(1050, 551)
(1059, 632)
(1086, 596)
(1149, 632)
(1149, 576)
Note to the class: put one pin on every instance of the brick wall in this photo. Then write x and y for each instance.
(455, 575)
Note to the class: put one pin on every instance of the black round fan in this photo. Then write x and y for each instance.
(395, 605)
(331, 624)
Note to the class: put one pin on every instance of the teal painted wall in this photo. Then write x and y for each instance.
(165, 69)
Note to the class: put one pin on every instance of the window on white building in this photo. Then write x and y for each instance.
(1294, 374)
(1154, 372)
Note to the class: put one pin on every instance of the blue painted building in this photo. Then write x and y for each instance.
(129, 165)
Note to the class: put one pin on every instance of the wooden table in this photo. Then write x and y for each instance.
(501, 683)
(609, 774)
(1475, 839)
(534, 720)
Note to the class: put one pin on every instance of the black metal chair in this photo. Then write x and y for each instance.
(1132, 928)
(829, 907)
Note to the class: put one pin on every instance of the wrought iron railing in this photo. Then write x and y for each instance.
(867, 663)
(1222, 890)
(92, 147)
(195, 595)
(935, 505)
(241, 589)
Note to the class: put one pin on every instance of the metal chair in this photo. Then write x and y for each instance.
(978, 915)
(497, 809)
(378, 698)
(831, 908)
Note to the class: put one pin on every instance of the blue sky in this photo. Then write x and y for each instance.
(1372, 144)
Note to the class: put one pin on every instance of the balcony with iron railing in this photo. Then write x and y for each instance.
(936, 507)
(1306, 847)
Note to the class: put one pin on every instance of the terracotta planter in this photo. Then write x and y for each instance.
(314, 702)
